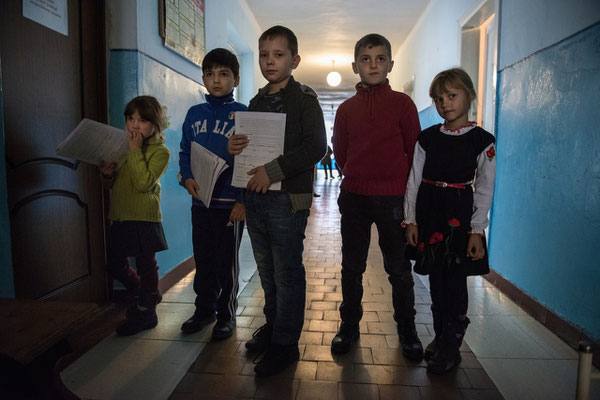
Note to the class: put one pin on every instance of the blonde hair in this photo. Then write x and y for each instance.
(455, 78)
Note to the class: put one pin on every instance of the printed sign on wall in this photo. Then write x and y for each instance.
(52, 14)
(184, 28)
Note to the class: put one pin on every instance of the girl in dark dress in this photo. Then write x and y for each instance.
(448, 196)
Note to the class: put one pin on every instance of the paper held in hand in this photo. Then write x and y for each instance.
(206, 169)
(266, 134)
(92, 142)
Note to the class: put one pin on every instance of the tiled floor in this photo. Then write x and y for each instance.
(509, 355)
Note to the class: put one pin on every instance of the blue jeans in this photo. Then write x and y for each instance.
(277, 235)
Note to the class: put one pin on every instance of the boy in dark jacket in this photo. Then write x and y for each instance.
(216, 227)
(277, 219)
(374, 136)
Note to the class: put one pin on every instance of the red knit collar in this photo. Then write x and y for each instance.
(383, 86)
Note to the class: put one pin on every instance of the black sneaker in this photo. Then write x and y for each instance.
(196, 323)
(276, 359)
(138, 321)
(261, 339)
(223, 329)
(411, 345)
(345, 338)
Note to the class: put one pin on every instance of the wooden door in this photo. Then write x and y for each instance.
(50, 82)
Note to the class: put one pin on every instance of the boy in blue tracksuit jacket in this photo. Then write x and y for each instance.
(216, 231)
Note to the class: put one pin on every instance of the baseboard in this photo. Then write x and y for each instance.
(556, 324)
(175, 275)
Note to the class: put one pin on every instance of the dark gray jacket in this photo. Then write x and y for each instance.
(305, 142)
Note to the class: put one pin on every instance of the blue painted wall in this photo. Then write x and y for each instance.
(140, 64)
(429, 116)
(132, 73)
(545, 226)
(7, 287)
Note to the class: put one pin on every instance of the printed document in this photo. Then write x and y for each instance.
(206, 169)
(266, 133)
(92, 142)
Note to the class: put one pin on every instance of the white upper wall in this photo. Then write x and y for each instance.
(133, 24)
(231, 23)
(432, 46)
(529, 26)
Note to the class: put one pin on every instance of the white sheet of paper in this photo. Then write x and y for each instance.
(266, 133)
(206, 169)
(92, 142)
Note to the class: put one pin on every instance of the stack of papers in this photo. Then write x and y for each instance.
(266, 135)
(206, 169)
(92, 142)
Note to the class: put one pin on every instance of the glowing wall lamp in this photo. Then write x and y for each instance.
(333, 78)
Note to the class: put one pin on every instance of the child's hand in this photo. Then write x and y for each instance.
(475, 248)
(236, 144)
(238, 212)
(412, 234)
(192, 188)
(135, 140)
(260, 182)
(107, 169)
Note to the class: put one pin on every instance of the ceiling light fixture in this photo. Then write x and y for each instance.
(333, 78)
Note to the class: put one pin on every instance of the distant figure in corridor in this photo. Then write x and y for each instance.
(374, 137)
(444, 219)
(326, 163)
(277, 218)
(136, 229)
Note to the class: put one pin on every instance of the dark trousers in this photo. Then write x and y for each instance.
(449, 300)
(144, 277)
(216, 242)
(358, 214)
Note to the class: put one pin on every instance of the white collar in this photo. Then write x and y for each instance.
(460, 131)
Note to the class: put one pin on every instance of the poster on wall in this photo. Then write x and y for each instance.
(182, 27)
(52, 14)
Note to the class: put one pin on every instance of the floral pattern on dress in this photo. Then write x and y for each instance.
(491, 153)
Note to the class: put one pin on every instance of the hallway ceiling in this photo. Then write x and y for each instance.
(328, 29)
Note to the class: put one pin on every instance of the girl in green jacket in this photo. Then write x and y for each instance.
(136, 228)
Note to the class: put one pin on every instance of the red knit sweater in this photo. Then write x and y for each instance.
(374, 138)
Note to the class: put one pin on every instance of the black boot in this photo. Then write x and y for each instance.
(261, 339)
(277, 358)
(411, 345)
(438, 323)
(146, 300)
(345, 338)
(137, 321)
(447, 355)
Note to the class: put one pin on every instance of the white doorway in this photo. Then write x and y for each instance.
(478, 55)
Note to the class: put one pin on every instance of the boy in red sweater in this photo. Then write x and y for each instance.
(374, 137)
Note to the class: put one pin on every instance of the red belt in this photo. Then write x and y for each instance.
(445, 184)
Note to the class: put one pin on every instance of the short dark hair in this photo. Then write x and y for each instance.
(221, 58)
(281, 31)
(149, 109)
(372, 40)
(455, 78)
